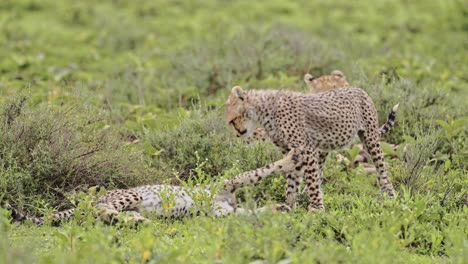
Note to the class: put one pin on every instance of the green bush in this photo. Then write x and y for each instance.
(53, 150)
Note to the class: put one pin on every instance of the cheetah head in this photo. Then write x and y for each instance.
(237, 112)
(335, 80)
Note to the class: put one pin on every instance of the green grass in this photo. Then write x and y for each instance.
(120, 93)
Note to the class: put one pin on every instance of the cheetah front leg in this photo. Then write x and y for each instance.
(286, 164)
(293, 182)
(313, 171)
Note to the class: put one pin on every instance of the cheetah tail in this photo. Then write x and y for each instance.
(390, 121)
(19, 216)
(56, 218)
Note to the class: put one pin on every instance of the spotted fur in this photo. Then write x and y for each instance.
(307, 127)
(158, 200)
(337, 80)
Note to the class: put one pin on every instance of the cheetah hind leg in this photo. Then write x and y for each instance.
(372, 146)
(109, 215)
(110, 205)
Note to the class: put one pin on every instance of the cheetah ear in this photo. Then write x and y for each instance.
(308, 77)
(338, 73)
(239, 93)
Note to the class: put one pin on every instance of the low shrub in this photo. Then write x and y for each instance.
(52, 150)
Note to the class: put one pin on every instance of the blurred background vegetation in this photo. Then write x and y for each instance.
(120, 93)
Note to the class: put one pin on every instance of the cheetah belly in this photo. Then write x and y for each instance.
(332, 126)
(332, 133)
(329, 139)
(166, 201)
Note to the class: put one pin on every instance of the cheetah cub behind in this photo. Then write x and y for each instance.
(324, 83)
(307, 127)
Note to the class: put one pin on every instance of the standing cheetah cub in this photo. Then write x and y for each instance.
(307, 127)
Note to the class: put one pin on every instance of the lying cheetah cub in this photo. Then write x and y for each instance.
(158, 200)
(307, 126)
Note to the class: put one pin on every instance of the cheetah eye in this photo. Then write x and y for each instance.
(312, 78)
